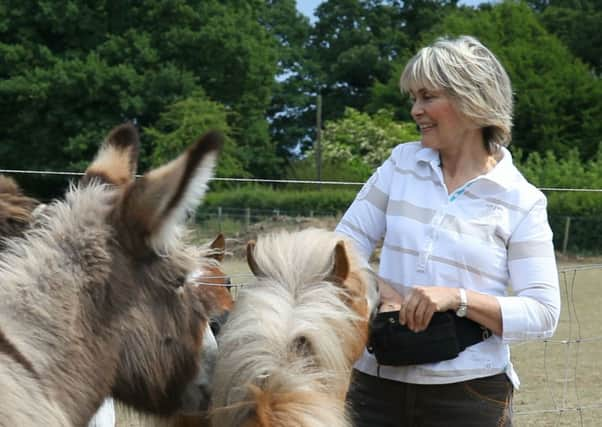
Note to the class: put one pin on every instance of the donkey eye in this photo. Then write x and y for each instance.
(180, 281)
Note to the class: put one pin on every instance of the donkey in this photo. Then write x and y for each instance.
(288, 346)
(15, 209)
(94, 299)
(211, 281)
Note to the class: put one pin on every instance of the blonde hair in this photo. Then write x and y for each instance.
(473, 77)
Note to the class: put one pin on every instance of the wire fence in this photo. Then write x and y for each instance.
(573, 234)
(562, 376)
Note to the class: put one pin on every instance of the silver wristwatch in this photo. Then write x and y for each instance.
(461, 311)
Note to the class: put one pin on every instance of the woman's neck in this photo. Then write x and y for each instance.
(464, 162)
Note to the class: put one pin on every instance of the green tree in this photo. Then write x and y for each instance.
(75, 68)
(354, 42)
(183, 122)
(291, 111)
(577, 24)
(356, 144)
(558, 102)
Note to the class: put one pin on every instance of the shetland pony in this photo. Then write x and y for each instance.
(93, 299)
(211, 281)
(288, 346)
(15, 210)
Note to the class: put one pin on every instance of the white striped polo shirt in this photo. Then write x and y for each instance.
(491, 236)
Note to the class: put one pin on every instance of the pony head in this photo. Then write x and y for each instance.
(288, 346)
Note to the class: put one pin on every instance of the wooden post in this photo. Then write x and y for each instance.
(247, 218)
(567, 227)
(219, 218)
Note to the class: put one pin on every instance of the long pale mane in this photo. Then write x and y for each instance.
(287, 349)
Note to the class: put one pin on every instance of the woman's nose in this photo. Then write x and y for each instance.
(417, 109)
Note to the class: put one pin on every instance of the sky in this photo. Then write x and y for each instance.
(307, 7)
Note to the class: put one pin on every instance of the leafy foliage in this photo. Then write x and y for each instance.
(557, 99)
(584, 208)
(324, 201)
(183, 122)
(74, 69)
(577, 24)
(71, 69)
(368, 139)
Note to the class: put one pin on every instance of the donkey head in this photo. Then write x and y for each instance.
(167, 349)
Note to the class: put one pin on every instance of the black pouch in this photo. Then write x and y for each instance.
(444, 338)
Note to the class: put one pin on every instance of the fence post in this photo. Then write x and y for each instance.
(567, 227)
(247, 218)
(219, 218)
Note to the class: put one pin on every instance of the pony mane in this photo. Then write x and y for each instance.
(286, 337)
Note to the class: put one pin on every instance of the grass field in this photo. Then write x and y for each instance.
(561, 379)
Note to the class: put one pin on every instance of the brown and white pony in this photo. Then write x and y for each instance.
(287, 349)
(15, 210)
(214, 283)
(94, 299)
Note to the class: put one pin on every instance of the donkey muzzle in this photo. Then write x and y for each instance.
(197, 395)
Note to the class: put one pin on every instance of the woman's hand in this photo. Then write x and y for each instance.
(418, 307)
(390, 299)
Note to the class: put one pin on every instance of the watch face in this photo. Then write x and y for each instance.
(461, 312)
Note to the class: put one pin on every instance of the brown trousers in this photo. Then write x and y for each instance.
(378, 402)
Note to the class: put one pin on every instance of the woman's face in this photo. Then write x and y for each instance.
(441, 124)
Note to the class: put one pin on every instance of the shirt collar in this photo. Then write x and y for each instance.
(501, 174)
(427, 155)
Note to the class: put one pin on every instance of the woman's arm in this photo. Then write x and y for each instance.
(365, 220)
(532, 311)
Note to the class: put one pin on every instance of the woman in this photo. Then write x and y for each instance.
(461, 226)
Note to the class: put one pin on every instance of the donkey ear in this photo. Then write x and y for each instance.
(340, 268)
(9, 186)
(158, 202)
(251, 259)
(116, 160)
(218, 247)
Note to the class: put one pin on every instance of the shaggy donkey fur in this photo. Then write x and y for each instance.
(213, 283)
(288, 346)
(93, 299)
(15, 210)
